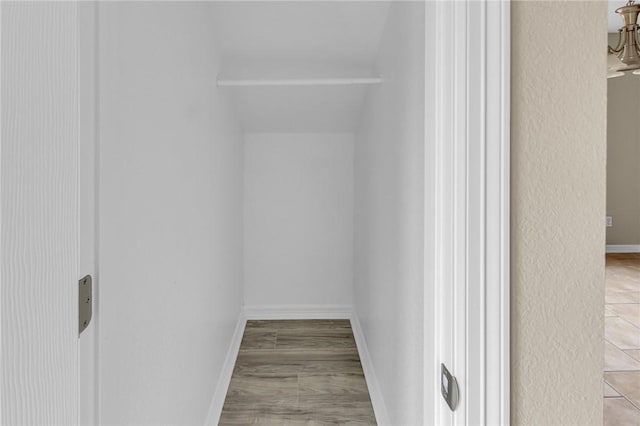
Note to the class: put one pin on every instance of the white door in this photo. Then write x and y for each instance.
(39, 213)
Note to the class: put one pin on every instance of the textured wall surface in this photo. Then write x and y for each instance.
(623, 157)
(298, 226)
(389, 215)
(558, 144)
(170, 238)
(39, 210)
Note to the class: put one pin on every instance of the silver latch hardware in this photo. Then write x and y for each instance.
(85, 302)
(449, 387)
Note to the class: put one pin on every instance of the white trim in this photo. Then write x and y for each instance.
(505, 220)
(467, 210)
(445, 208)
(215, 409)
(89, 355)
(623, 248)
(497, 238)
(379, 407)
(272, 312)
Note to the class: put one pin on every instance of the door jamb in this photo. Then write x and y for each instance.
(88, 354)
(467, 166)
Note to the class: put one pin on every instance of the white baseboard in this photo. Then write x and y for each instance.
(379, 407)
(215, 409)
(622, 248)
(273, 312)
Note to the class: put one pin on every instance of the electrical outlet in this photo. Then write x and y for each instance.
(609, 221)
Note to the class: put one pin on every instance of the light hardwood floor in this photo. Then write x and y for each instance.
(622, 340)
(298, 372)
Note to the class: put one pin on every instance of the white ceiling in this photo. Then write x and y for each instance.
(298, 40)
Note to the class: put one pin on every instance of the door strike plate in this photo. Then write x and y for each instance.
(449, 387)
(85, 302)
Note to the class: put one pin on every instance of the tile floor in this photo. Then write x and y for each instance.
(622, 340)
(304, 372)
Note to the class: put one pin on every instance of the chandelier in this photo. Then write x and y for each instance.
(626, 55)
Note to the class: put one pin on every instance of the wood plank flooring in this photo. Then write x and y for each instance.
(298, 372)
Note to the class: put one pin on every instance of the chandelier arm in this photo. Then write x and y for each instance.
(621, 42)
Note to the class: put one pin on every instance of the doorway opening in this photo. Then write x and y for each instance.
(294, 160)
(622, 272)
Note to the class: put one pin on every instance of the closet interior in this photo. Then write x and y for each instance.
(256, 160)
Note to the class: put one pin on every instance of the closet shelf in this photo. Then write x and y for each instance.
(298, 82)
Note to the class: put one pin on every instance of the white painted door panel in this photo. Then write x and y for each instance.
(39, 213)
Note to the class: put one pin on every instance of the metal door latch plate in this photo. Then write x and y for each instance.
(85, 294)
(449, 387)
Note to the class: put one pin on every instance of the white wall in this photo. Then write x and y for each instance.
(39, 211)
(389, 188)
(298, 219)
(170, 206)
